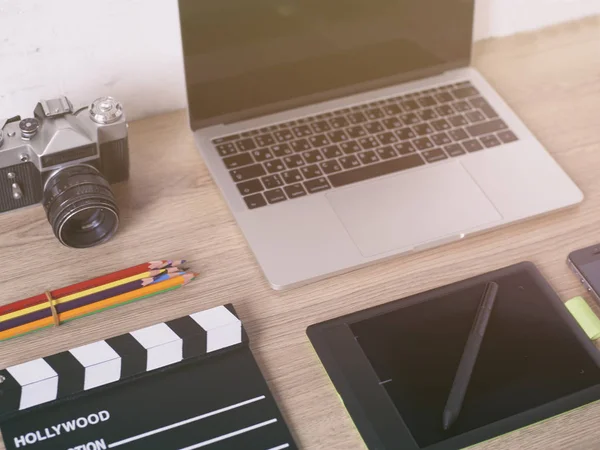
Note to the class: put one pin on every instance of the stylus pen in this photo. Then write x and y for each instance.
(469, 356)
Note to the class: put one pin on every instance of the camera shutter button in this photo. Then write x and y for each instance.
(29, 128)
(106, 110)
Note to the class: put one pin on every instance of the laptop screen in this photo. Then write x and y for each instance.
(245, 58)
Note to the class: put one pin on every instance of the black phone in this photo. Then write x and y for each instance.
(586, 265)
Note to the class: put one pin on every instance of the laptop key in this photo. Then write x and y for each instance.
(410, 105)
(475, 116)
(350, 147)
(356, 118)
(434, 155)
(423, 129)
(472, 145)
(222, 140)
(404, 148)
(462, 106)
(356, 132)
(441, 139)
(392, 110)
(275, 196)
(427, 115)
(264, 140)
(281, 150)
(320, 127)
(250, 187)
(445, 110)
(255, 201)
(302, 131)
(482, 104)
(374, 114)
(339, 122)
(272, 181)
(368, 142)
(375, 170)
(374, 127)
(507, 136)
(312, 157)
(458, 134)
(441, 125)
(337, 136)
(291, 176)
(300, 145)
(465, 92)
(274, 166)
(454, 150)
(317, 185)
(264, 154)
(319, 140)
(387, 138)
(293, 161)
(486, 128)
(490, 141)
(333, 151)
(246, 145)
(349, 162)
(330, 167)
(427, 101)
(444, 97)
(423, 144)
(294, 190)
(312, 171)
(386, 152)
(368, 157)
(248, 172)
(405, 134)
(458, 121)
(410, 119)
(226, 149)
(283, 136)
(233, 162)
(392, 123)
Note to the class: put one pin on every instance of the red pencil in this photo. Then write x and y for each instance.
(89, 284)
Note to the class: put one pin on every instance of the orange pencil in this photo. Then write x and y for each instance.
(180, 280)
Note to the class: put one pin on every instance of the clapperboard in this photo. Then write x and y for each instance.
(181, 385)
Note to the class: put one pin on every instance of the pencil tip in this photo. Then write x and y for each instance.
(447, 420)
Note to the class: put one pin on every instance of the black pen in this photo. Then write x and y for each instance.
(469, 356)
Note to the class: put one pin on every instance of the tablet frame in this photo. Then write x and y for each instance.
(374, 412)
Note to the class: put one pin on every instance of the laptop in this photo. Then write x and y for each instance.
(343, 132)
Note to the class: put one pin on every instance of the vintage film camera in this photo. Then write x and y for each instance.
(66, 160)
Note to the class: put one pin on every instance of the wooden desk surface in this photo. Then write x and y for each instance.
(171, 208)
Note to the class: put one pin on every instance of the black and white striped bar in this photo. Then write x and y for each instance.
(83, 368)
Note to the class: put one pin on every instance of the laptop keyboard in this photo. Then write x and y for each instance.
(313, 154)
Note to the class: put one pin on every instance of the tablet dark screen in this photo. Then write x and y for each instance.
(529, 357)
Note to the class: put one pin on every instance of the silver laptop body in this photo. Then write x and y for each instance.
(324, 183)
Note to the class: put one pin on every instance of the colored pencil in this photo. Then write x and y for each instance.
(85, 300)
(93, 313)
(80, 294)
(104, 279)
(152, 289)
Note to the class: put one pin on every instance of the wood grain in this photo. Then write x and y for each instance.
(171, 208)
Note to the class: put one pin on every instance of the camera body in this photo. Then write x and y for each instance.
(32, 150)
(66, 160)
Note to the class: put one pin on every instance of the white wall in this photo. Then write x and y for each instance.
(131, 48)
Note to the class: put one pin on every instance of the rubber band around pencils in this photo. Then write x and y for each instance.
(53, 309)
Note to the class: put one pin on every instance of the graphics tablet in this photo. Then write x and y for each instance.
(394, 365)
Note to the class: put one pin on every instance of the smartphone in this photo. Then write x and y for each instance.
(586, 265)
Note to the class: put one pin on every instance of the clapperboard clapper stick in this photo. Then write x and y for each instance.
(184, 384)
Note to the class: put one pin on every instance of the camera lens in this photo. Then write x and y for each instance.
(81, 207)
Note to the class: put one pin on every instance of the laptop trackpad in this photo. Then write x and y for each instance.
(412, 209)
